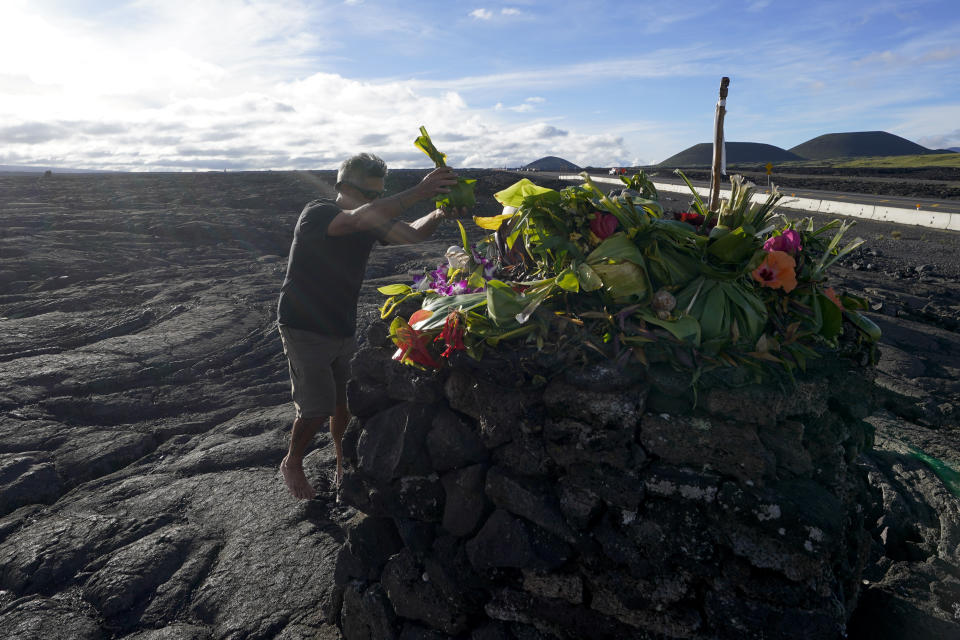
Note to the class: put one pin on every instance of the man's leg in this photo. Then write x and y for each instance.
(338, 424)
(292, 466)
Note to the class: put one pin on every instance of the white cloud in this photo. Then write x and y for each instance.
(269, 84)
(310, 123)
(487, 14)
(941, 141)
(528, 105)
(934, 127)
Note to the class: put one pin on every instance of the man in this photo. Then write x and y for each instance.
(317, 311)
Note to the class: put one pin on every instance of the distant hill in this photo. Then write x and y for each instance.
(858, 144)
(954, 149)
(737, 152)
(552, 163)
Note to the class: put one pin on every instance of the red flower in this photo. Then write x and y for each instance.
(603, 224)
(411, 345)
(452, 334)
(689, 217)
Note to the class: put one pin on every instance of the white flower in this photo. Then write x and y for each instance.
(457, 258)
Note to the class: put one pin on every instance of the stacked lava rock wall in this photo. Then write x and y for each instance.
(593, 504)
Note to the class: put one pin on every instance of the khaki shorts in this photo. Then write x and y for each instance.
(319, 367)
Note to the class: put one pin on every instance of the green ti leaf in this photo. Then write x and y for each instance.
(425, 144)
(461, 194)
(832, 316)
(463, 238)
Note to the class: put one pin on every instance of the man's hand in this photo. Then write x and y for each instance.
(454, 213)
(436, 182)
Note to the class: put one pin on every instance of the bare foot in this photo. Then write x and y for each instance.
(296, 480)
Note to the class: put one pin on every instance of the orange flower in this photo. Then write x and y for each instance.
(777, 271)
(830, 293)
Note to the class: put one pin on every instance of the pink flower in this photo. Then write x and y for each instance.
(788, 241)
(603, 224)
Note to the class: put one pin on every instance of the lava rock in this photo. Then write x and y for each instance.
(414, 596)
(465, 501)
(452, 443)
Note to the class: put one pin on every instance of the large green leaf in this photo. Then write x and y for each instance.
(394, 289)
(589, 280)
(503, 303)
(669, 266)
(460, 195)
(617, 247)
(832, 317)
(568, 281)
(735, 246)
(683, 328)
(515, 194)
(715, 318)
(443, 305)
(623, 280)
(531, 301)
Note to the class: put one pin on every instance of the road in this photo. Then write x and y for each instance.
(942, 206)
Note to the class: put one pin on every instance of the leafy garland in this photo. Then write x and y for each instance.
(590, 276)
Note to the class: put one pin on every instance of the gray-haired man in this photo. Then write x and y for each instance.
(317, 311)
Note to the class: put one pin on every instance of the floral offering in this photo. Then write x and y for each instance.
(582, 276)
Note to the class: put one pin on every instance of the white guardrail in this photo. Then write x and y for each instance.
(896, 215)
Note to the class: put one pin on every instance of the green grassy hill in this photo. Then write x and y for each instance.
(923, 160)
(737, 152)
(858, 144)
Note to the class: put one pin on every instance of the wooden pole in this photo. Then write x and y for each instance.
(718, 145)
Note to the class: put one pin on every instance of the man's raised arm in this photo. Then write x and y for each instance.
(381, 212)
(423, 227)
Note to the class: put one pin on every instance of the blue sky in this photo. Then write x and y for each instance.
(289, 84)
